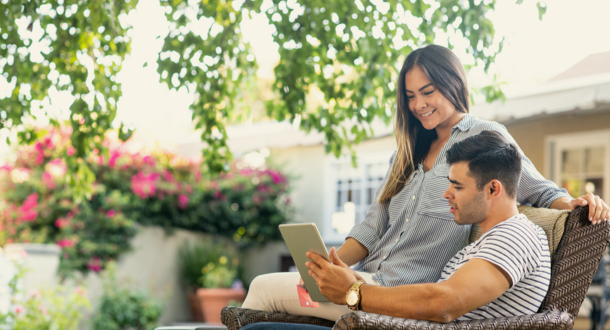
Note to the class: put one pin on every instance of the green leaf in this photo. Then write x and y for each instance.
(541, 9)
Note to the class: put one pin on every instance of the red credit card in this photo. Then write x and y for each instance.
(305, 299)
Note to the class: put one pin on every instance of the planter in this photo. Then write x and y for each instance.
(214, 300)
(196, 311)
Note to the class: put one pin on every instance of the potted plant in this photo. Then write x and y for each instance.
(210, 270)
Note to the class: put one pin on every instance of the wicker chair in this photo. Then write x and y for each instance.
(576, 259)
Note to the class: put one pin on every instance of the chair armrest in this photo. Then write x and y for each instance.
(235, 318)
(551, 319)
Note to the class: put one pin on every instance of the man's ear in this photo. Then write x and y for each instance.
(494, 188)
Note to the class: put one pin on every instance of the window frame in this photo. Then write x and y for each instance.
(331, 163)
(555, 144)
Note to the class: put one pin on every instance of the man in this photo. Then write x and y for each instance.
(504, 273)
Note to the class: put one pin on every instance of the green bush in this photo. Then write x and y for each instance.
(122, 308)
(209, 264)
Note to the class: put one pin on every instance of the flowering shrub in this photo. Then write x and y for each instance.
(57, 308)
(131, 187)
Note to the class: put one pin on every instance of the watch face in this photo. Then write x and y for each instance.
(352, 298)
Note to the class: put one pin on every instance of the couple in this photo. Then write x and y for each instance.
(409, 236)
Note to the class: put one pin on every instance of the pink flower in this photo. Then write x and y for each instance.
(43, 309)
(64, 243)
(79, 290)
(70, 151)
(36, 294)
(47, 179)
(39, 153)
(31, 201)
(110, 213)
(149, 160)
(114, 155)
(183, 201)
(167, 175)
(144, 185)
(62, 222)
(95, 264)
(28, 210)
(276, 177)
(19, 309)
(218, 195)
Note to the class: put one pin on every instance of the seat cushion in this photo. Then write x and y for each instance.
(550, 220)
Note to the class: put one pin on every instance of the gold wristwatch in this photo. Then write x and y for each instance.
(352, 298)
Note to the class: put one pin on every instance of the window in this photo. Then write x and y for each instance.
(580, 163)
(350, 191)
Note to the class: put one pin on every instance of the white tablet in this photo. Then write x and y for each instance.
(300, 239)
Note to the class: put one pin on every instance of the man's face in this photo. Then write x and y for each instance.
(468, 204)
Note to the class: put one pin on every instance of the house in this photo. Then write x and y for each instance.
(563, 126)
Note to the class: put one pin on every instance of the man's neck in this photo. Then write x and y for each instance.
(499, 212)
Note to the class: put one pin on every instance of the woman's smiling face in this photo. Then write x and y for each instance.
(426, 102)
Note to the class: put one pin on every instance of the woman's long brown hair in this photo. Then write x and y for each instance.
(446, 73)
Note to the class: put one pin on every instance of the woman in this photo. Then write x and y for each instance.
(408, 234)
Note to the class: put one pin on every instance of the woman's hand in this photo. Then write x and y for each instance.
(598, 209)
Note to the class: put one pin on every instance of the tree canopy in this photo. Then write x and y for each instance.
(350, 51)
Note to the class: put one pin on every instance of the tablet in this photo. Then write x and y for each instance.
(300, 239)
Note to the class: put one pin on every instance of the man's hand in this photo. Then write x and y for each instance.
(598, 210)
(334, 279)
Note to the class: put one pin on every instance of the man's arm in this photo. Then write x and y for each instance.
(475, 284)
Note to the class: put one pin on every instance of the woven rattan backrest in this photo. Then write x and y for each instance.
(578, 255)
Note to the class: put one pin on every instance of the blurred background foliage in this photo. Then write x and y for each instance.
(153, 187)
(346, 52)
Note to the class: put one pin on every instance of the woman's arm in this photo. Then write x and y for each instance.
(366, 235)
(540, 192)
(598, 209)
(351, 252)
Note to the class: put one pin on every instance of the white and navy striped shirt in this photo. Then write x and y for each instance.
(412, 237)
(521, 249)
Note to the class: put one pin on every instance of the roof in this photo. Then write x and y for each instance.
(583, 87)
(591, 65)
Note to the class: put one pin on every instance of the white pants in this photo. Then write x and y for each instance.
(277, 292)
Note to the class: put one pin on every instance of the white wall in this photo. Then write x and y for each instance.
(152, 266)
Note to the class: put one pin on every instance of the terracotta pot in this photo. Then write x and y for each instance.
(196, 311)
(214, 300)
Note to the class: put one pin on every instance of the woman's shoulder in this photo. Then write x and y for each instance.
(486, 125)
(480, 125)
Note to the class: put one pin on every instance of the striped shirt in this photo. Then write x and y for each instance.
(411, 237)
(520, 248)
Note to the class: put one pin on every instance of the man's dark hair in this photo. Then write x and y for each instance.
(490, 157)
